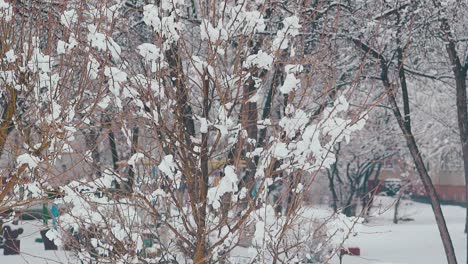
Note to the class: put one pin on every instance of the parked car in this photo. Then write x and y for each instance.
(391, 186)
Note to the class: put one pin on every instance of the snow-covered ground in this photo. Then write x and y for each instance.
(412, 242)
(31, 251)
(380, 241)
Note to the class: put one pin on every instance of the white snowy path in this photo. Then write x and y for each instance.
(414, 242)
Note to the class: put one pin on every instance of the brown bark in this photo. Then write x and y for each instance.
(201, 250)
(6, 126)
(249, 122)
(185, 123)
(11, 183)
(178, 80)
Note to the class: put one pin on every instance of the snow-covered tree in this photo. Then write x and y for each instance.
(173, 121)
(198, 126)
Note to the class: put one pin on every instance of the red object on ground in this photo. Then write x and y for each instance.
(353, 251)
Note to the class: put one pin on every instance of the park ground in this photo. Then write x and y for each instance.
(415, 241)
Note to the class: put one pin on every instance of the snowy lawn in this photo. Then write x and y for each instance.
(31, 251)
(380, 241)
(413, 242)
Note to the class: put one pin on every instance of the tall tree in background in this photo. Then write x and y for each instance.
(459, 67)
(403, 25)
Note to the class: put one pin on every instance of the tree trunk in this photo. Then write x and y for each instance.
(201, 253)
(413, 147)
(459, 71)
(92, 144)
(185, 119)
(462, 116)
(428, 186)
(397, 207)
(349, 207)
(421, 168)
(331, 186)
(131, 169)
(373, 191)
(113, 147)
(249, 122)
(6, 125)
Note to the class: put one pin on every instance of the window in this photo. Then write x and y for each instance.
(388, 163)
(452, 161)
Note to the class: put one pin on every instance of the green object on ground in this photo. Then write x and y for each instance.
(147, 242)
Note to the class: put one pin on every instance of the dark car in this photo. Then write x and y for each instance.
(391, 186)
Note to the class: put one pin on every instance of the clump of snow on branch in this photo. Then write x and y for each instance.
(227, 184)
